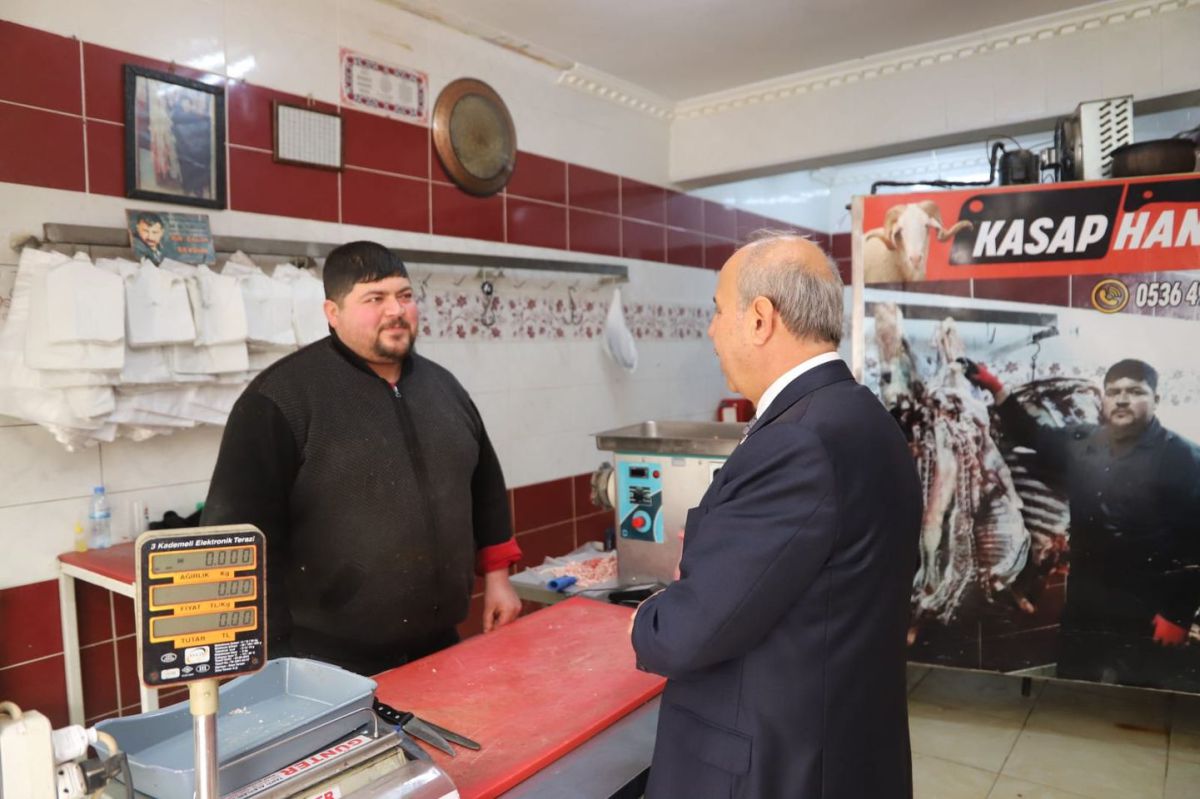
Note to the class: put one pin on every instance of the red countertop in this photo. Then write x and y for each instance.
(529, 692)
(115, 562)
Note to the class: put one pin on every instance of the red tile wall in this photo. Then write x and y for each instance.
(642, 240)
(41, 148)
(32, 671)
(258, 184)
(377, 199)
(69, 134)
(57, 83)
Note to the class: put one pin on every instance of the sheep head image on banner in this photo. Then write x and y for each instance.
(898, 251)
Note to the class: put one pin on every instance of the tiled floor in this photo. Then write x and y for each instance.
(975, 737)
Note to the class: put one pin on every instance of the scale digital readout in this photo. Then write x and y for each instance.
(201, 603)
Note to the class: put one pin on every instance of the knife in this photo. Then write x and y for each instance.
(452, 736)
(413, 726)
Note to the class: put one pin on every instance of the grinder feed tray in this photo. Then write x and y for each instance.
(308, 703)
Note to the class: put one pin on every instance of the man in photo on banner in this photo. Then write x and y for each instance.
(148, 230)
(1133, 585)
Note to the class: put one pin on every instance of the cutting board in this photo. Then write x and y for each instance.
(530, 691)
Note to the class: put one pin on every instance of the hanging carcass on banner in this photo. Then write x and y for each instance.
(1038, 345)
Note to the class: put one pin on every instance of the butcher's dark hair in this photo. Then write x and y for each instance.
(1134, 370)
(359, 262)
(149, 217)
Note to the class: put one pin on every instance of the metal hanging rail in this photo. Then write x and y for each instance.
(106, 242)
(998, 316)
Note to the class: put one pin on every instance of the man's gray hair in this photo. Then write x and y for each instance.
(808, 302)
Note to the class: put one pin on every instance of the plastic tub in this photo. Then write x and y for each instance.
(290, 709)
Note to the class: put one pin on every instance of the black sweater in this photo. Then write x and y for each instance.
(1135, 550)
(373, 500)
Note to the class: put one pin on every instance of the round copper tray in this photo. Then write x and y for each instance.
(474, 137)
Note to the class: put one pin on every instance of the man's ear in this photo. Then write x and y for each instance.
(762, 312)
(331, 313)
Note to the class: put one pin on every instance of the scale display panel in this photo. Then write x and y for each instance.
(200, 603)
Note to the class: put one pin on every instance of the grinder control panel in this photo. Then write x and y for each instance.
(639, 487)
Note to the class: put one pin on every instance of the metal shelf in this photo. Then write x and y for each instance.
(106, 242)
(1000, 316)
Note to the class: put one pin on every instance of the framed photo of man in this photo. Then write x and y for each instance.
(174, 139)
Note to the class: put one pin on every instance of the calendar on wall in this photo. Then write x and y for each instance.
(372, 85)
(307, 137)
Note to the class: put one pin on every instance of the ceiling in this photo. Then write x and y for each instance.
(680, 49)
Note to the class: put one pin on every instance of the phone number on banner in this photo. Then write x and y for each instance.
(1166, 294)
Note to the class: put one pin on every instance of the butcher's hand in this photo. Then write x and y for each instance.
(978, 374)
(1168, 633)
(500, 602)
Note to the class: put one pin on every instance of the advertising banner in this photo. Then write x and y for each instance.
(1038, 346)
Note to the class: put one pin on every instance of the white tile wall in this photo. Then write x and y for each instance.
(1019, 83)
(185, 32)
(184, 457)
(1132, 61)
(1075, 71)
(971, 84)
(1180, 58)
(36, 469)
(290, 45)
(555, 395)
(33, 535)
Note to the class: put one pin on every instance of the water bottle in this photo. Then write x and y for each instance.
(99, 520)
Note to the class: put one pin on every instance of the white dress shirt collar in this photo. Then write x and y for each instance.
(787, 377)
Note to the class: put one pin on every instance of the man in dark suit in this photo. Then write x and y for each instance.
(783, 641)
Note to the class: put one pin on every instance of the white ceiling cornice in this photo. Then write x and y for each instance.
(1067, 23)
(601, 84)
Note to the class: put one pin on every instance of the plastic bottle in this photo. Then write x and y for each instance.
(80, 538)
(99, 520)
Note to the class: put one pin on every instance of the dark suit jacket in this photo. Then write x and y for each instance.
(784, 639)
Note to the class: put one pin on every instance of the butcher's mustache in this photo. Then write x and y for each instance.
(399, 323)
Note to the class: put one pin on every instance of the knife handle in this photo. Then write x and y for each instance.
(391, 715)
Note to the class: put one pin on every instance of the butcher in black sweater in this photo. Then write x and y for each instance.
(369, 470)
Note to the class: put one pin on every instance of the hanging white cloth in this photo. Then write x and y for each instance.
(52, 340)
(21, 393)
(214, 359)
(216, 301)
(308, 303)
(158, 311)
(220, 317)
(88, 303)
(618, 341)
(268, 303)
(143, 365)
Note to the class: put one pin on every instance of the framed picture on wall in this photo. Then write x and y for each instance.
(174, 139)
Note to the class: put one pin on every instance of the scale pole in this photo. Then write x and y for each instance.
(203, 701)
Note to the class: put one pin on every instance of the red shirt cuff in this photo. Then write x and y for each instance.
(497, 556)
